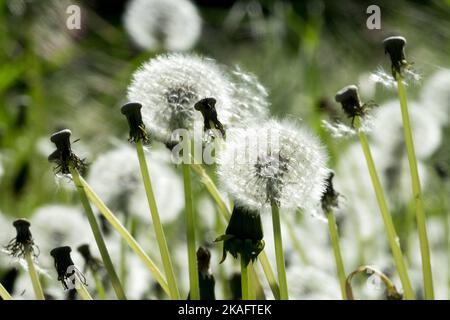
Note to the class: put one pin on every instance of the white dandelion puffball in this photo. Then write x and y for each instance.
(174, 25)
(168, 87)
(273, 162)
(387, 130)
(57, 225)
(116, 178)
(435, 95)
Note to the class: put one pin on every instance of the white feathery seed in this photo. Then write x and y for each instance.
(173, 25)
(273, 161)
(168, 87)
(116, 178)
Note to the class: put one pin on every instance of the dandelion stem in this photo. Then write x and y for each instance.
(387, 218)
(99, 285)
(334, 237)
(98, 235)
(245, 279)
(190, 234)
(34, 275)
(4, 294)
(159, 231)
(226, 214)
(279, 253)
(112, 219)
(81, 290)
(420, 212)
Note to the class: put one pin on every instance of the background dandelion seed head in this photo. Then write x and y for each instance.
(174, 25)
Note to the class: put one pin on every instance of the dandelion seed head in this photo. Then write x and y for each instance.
(169, 86)
(387, 130)
(273, 162)
(116, 178)
(174, 25)
(435, 96)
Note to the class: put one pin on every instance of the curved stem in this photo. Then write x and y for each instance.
(190, 234)
(420, 211)
(279, 253)
(245, 280)
(34, 276)
(334, 237)
(118, 289)
(134, 245)
(159, 231)
(387, 218)
(4, 294)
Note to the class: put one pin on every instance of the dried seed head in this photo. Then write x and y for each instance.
(330, 196)
(395, 47)
(67, 272)
(61, 139)
(203, 259)
(90, 262)
(23, 242)
(63, 155)
(132, 111)
(244, 234)
(349, 98)
(207, 107)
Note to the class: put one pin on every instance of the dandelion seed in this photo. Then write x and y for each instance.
(169, 86)
(273, 162)
(174, 25)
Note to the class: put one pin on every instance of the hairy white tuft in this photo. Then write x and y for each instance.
(273, 161)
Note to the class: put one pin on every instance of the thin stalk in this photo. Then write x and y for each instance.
(334, 237)
(226, 214)
(297, 244)
(82, 291)
(118, 289)
(245, 277)
(112, 219)
(190, 234)
(99, 285)
(123, 255)
(417, 193)
(279, 253)
(34, 275)
(159, 231)
(387, 218)
(4, 294)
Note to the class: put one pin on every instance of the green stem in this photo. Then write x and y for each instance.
(420, 211)
(159, 231)
(387, 218)
(279, 253)
(4, 294)
(98, 235)
(190, 234)
(245, 280)
(112, 219)
(334, 237)
(81, 290)
(297, 244)
(34, 275)
(99, 285)
(226, 214)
